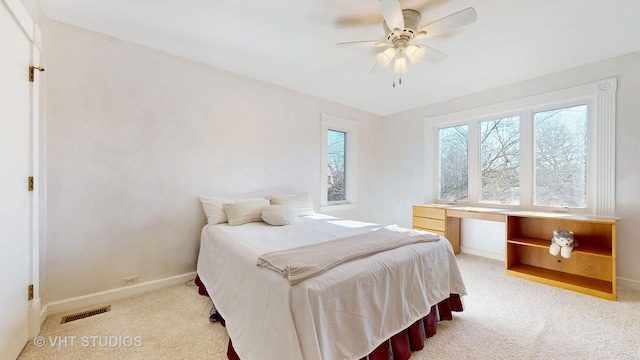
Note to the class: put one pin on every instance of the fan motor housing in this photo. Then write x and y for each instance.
(411, 20)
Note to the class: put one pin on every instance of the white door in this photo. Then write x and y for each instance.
(15, 135)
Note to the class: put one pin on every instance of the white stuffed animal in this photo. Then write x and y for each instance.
(562, 243)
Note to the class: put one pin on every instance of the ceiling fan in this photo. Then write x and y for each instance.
(401, 29)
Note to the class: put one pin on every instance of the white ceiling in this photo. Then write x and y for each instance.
(292, 43)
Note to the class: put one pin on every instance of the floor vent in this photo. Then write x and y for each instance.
(85, 314)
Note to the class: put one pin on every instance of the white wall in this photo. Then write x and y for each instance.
(408, 177)
(135, 135)
(32, 8)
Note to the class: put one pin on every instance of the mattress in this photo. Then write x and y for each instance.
(343, 313)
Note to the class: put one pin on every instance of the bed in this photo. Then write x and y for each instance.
(347, 312)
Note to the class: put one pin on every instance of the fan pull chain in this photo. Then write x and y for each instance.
(399, 80)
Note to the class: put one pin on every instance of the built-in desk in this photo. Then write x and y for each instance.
(445, 219)
(591, 269)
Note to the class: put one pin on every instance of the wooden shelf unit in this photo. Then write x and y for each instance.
(592, 266)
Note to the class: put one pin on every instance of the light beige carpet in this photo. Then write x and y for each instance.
(504, 318)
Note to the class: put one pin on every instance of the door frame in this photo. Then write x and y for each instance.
(33, 32)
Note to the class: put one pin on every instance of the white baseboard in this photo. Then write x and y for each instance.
(44, 312)
(628, 283)
(35, 318)
(114, 294)
(487, 254)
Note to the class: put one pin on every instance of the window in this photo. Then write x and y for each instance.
(454, 164)
(338, 163)
(561, 157)
(552, 151)
(500, 161)
(558, 170)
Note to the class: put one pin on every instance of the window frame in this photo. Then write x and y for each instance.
(591, 156)
(350, 128)
(600, 100)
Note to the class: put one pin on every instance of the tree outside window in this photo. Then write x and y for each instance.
(561, 157)
(454, 163)
(500, 161)
(336, 163)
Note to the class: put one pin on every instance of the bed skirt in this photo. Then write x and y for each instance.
(400, 345)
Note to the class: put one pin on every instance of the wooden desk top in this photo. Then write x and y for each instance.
(470, 212)
(493, 214)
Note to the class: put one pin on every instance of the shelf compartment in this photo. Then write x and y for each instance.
(580, 264)
(583, 284)
(587, 234)
(580, 249)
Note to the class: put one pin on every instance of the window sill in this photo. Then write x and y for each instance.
(338, 207)
(487, 207)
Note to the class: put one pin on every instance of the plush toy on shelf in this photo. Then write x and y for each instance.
(562, 243)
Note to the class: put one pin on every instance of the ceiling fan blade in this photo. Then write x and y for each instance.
(432, 55)
(448, 23)
(367, 43)
(392, 13)
(426, 4)
(376, 69)
(358, 20)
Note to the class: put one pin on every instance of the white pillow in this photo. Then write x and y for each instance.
(301, 203)
(245, 211)
(279, 215)
(213, 209)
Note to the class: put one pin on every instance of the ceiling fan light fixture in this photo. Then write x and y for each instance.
(385, 57)
(415, 53)
(401, 27)
(400, 65)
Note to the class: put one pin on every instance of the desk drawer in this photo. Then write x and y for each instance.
(428, 224)
(429, 212)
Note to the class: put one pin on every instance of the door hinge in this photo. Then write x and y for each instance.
(32, 70)
(30, 293)
(30, 183)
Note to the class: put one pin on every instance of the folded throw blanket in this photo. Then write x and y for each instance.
(304, 262)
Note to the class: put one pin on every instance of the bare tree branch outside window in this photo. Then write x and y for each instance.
(500, 160)
(336, 162)
(454, 164)
(561, 157)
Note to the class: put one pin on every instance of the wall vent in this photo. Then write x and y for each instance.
(85, 314)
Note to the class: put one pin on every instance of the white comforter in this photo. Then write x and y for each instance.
(343, 313)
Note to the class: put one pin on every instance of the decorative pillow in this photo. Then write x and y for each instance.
(213, 209)
(301, 203)
(279, 215)
(245, 211)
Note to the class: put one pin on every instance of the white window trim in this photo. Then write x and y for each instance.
(601, 99)
(350, 127)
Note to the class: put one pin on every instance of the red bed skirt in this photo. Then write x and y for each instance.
(401, 344)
